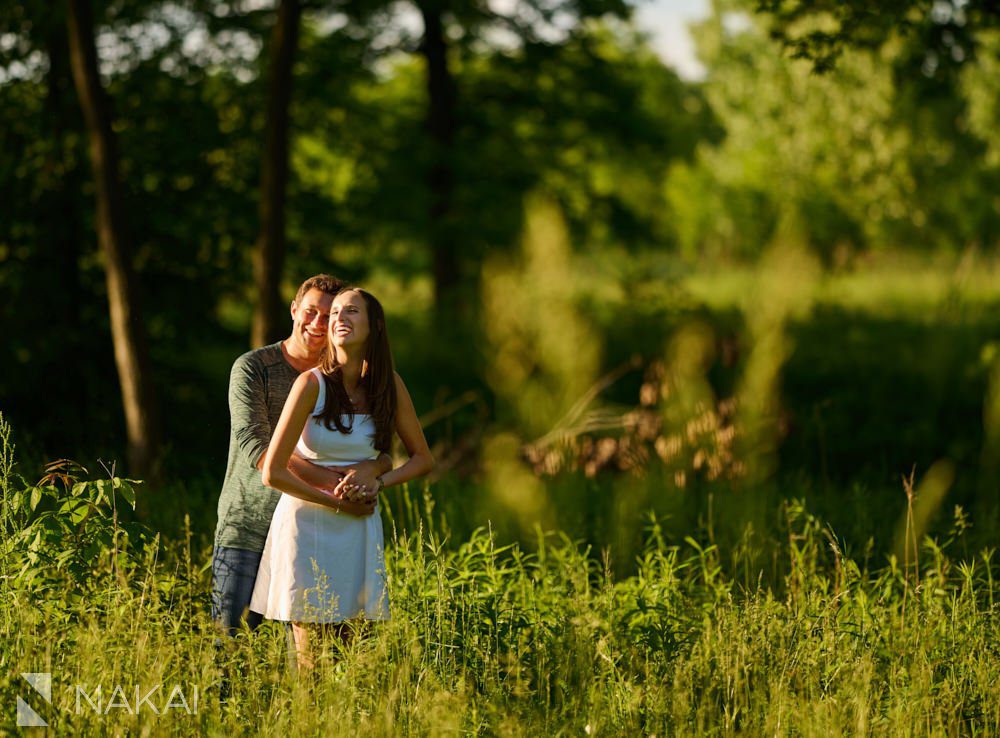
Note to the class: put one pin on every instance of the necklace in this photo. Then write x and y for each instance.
(354, 399)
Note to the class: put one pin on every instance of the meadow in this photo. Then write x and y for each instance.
(487, 639)
(817, 562)
(710, 365)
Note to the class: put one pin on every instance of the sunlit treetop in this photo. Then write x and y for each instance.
(947, 31)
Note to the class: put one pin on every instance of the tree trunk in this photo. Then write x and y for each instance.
(441, 125)
(270, 319)
(127, 329)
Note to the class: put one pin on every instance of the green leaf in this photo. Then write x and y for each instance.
(76, 511)
(64, 557)
(36, 497)
(103, 493)
(127, 491)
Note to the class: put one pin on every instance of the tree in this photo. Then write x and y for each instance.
(820, 30)
(43, 216)
(128, 330)
(454, 30)
(441, 124)
(593, 120)
(862, 157)
(269, 323)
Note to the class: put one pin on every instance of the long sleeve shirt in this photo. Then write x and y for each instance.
(258, 387)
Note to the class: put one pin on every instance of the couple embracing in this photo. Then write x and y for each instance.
(299, 538)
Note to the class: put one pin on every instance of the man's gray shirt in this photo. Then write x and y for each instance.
(258, 387)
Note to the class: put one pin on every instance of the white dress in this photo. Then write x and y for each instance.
(318, 565)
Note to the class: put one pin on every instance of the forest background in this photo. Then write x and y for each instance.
(611, 291)
(711, 367)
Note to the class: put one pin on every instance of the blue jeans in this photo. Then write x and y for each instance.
(234, 572)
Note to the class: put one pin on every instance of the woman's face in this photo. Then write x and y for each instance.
(349, 320)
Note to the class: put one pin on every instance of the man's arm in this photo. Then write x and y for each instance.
(364, 472)
(320, 477)
(328, 477)
(248, 411)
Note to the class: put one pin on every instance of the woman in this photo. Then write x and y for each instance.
(322, 565)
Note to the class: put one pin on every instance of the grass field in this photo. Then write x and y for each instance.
(487, 639)
(798, 591)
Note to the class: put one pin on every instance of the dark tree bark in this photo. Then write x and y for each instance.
(270, 319)
(441, 125)
(127, 329)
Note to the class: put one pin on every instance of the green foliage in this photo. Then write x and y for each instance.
(946, 34)
(591, 120)
(869, 155)
(64, 537)
(735, 610)
(486, 638)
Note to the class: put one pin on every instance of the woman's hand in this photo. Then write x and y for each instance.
(359, 485)
(358, 508)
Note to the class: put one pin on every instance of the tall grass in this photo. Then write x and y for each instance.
(710, 599)
(487, 639)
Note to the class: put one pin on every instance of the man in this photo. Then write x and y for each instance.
(258, 386)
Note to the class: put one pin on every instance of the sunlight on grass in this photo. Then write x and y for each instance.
(487, 638)
(884, 284)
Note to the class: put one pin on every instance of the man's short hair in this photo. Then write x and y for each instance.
(322, 282)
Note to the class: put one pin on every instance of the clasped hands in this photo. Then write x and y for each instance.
(352, 489)
(354, 486)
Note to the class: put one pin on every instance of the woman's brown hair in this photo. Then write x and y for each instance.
(377, 377)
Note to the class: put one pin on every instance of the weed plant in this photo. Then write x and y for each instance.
(489, 639)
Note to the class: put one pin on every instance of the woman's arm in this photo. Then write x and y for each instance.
(408, 428)
(361, 473)
(320, 477)
(275, 472)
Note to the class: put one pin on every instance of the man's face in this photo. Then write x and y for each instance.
(310, 318)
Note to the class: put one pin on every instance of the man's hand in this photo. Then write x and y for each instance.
(359, 480)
